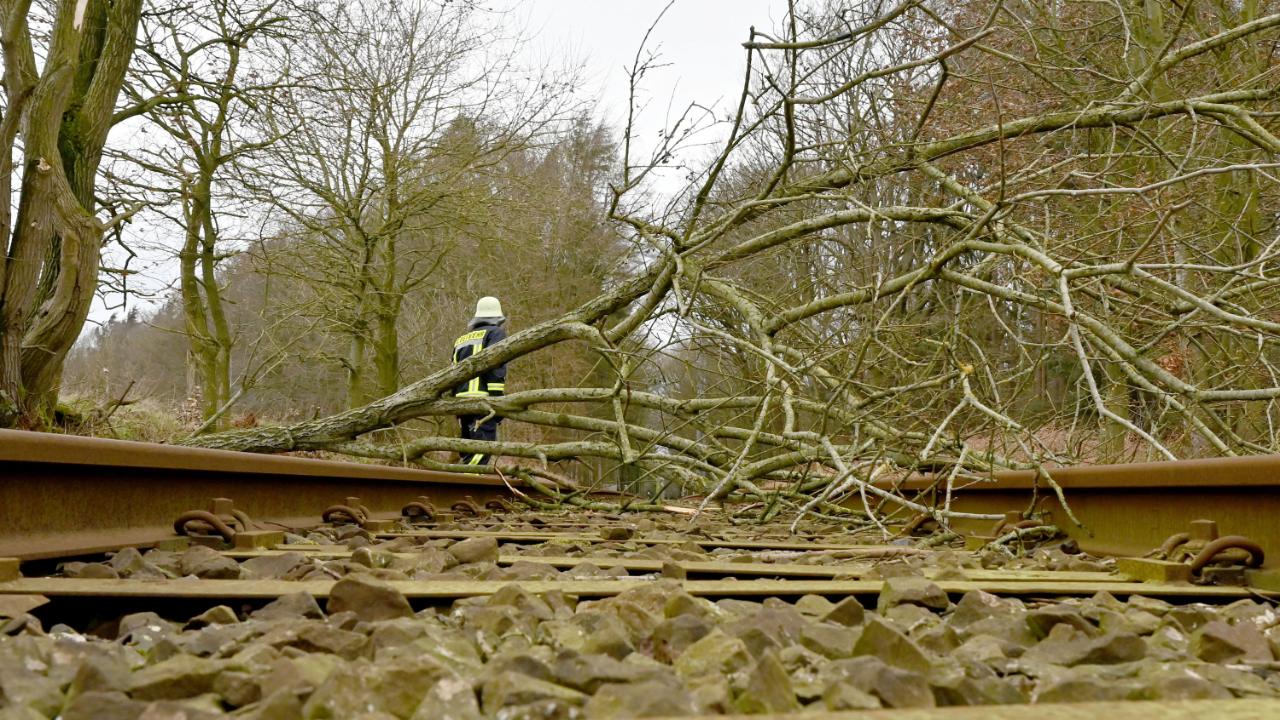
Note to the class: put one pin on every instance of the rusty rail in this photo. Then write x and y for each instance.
(61, 494)
(1131, 509)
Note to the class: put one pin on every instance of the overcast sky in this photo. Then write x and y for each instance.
(699, 44)
(700, 41)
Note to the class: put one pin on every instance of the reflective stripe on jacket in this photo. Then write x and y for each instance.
(492, 381)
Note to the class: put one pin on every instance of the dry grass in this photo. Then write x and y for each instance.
(145, 420)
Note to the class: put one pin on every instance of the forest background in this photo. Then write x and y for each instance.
(928, 238)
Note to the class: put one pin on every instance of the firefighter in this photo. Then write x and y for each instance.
(484, 330)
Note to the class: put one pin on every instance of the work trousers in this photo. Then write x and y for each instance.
(473, 429)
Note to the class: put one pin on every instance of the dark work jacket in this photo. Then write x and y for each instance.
(484, 333)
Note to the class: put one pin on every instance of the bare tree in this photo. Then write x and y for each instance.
(384, 149)
(197, 55)
(62, 76)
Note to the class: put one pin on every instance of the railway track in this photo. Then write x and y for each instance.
(62, 495)
(1129, 509)
(279, 548)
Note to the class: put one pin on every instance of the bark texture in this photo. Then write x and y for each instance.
(56, 120)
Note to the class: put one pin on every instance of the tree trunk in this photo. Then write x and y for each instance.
(61, 112)
(355, 369)
(206, 323)
(386, 354)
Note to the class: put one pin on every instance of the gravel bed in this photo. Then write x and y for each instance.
(652, 650)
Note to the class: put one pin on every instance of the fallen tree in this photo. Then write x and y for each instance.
(931, 242)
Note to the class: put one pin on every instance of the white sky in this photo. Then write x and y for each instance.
(698, 41)
(699, 44)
